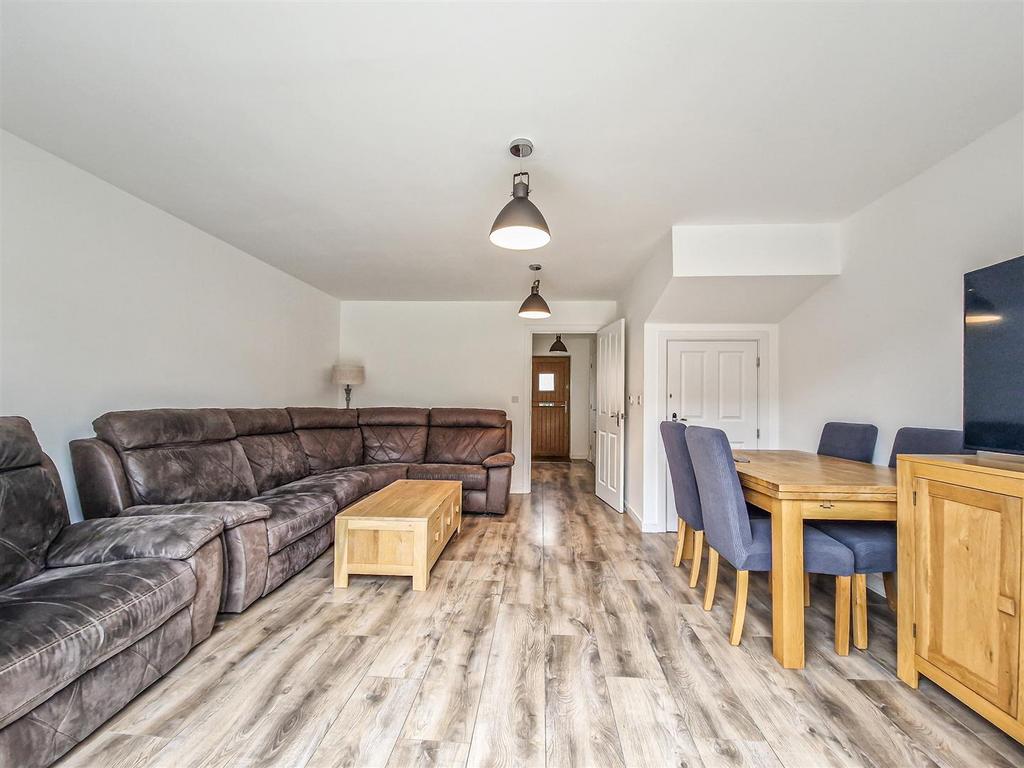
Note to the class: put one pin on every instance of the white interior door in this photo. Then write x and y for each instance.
(611, 395)
(714, 384)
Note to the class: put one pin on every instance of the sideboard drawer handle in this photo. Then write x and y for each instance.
(437, 535)
(826, 505)
(1007, 605)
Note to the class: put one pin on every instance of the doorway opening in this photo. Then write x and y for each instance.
(562, 403)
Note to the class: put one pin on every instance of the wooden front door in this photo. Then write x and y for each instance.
(968, 587)
(551, 408)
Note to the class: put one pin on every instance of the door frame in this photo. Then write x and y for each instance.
(568, 404)
(656, 337)
(526, 393)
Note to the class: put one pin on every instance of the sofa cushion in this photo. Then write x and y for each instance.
(344, 485)
(126, 430)
(331, 448)
(294, 515)
(394, 434)
(32, 509)
(383, 475)
(324, 418)
(65, 621)
(274, 453)
(19, 447)
(472, 476)
(391, 416)
(32, 513)
(260, 421)
(464, 445)
(189, 473)
(274, 459)
(231, 513)
(468, 417)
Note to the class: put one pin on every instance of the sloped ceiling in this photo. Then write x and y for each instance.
(362, 147)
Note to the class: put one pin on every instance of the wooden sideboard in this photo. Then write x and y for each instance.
(960, 545)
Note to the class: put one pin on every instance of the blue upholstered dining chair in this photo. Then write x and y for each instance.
(874, 543)
(684, 492)
(927, 441)
(747, 543)
(844, 440)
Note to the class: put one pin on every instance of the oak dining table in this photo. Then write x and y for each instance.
(794, 487)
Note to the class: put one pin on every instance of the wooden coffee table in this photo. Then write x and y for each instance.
(400, 530)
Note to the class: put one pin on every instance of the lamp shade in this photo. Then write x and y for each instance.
(534, 307)
(559, 345)
(520, 226)
(348, 374)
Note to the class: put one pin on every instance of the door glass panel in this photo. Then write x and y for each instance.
(545, 382)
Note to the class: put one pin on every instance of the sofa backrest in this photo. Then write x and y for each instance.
(330, 437)
(177, 456)
(394, 434)
(32, 508)
(464, 435)
(272, 448)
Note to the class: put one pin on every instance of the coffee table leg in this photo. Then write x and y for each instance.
(420, 572)
(340, 554)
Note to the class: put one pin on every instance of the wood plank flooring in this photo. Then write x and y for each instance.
(557, 635)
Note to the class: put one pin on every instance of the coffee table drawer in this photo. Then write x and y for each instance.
(436, 533)
(452, 516)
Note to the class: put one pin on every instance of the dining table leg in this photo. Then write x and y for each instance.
(788, 585)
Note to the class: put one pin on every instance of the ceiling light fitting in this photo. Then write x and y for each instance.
(559, 345)
(534, 307)
(520, 226)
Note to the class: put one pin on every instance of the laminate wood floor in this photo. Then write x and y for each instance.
(557, 635)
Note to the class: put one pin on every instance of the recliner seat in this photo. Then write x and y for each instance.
(277, 477)
(91, 613)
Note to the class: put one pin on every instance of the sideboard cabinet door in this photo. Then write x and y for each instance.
(968, 585)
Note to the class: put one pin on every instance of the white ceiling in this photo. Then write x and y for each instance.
(362, 148)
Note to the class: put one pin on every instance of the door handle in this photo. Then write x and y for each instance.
(675, 417)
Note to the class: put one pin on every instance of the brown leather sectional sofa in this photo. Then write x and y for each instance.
(276, 477)
(90, 614)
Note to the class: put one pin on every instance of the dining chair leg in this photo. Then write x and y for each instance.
(889, 582)
(807, 589)
(739, 608)
(709, 587)
(843, 615)
(680, 538)
(860, 610)
(698, 555)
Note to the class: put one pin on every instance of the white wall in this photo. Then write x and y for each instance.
(719, 250)
(580, 374)
(638, 299)
(882, 341)
(109, 303)
(451, 353)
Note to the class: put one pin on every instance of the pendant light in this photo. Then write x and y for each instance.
(520, 226)
(559, 345)
(534, 307)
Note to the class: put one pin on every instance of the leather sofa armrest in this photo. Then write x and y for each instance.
(231, 513)
(110, 539)
(499, 460)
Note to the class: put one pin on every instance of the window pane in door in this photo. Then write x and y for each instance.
(545, 382)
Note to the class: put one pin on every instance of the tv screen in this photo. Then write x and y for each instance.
(994, 357)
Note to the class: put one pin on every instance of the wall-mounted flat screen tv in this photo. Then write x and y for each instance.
(994, 358)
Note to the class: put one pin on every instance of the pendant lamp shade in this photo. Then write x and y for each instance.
(534, 308)
(559, 345)
(520, 226)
